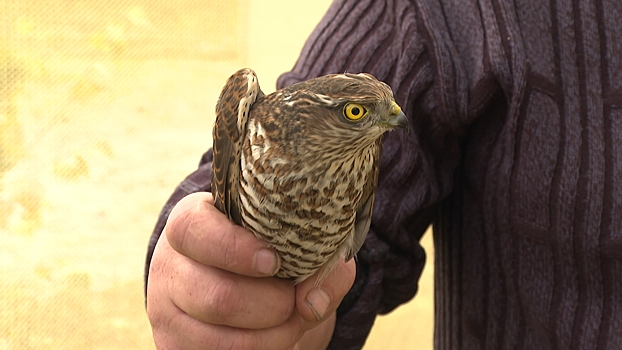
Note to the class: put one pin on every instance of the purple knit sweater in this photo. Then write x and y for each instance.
(514, 155)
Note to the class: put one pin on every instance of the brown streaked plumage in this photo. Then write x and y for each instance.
(299, 167)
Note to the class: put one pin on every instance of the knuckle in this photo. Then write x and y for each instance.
(246, 339)
(227, 249)
(160, 320)
(185, 226)
(164, 333)
(176, 229)
(240, 339)
(221, 300)
(154, 317)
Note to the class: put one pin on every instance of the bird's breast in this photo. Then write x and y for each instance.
(304, 206)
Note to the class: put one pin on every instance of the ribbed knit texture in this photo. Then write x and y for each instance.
(515, 155)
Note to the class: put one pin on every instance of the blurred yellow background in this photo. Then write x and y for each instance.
(105, 106)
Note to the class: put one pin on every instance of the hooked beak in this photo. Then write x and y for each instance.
(399, 119)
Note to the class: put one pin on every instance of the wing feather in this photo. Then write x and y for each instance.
(365, 209)
(232, 113)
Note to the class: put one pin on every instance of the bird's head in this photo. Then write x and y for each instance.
(342, 111)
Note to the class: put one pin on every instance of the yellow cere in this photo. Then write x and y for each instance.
(395, 108)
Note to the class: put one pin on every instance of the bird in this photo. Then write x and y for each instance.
(299, 167)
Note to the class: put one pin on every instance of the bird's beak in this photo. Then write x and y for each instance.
(399, 119)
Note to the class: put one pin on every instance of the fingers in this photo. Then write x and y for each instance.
(203, 291)
(233, 300)
(219, 297)
(199, 335)
(315, 303)
(198, 230)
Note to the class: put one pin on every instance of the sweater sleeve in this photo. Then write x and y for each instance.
(391, 40)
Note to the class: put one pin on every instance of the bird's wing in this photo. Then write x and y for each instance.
(365, 209)
(232, 112)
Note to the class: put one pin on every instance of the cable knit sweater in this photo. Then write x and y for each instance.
(514, 156)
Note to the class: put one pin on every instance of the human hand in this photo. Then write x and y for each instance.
(209, 288)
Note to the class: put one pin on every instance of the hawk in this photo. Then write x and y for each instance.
(299, 167)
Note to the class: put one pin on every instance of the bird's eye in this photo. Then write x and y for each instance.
(354, 111)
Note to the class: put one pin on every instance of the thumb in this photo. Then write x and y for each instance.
(315, 302)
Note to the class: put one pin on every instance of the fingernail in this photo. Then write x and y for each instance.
(318, 300)
(266, 262)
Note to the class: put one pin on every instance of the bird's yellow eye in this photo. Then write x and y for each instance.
(354, 111)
